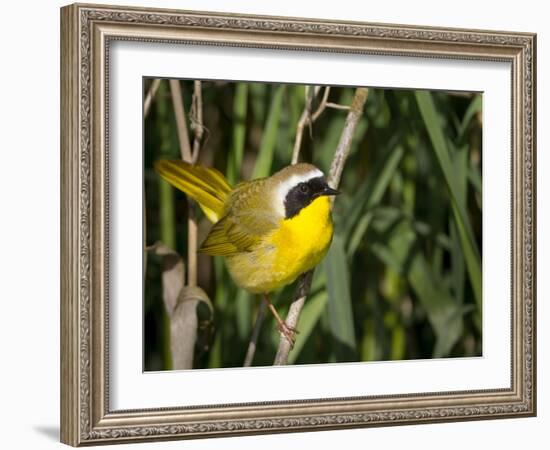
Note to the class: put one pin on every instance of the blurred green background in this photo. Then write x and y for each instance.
(402, 279)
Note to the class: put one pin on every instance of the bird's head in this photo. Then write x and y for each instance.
(297, 186)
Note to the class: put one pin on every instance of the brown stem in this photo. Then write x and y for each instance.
(340, 155)
(322, 105)
(292, 317)
(196, 119)
(150, 96)
(179, 111)
(337, 106)
(146, 107)
(344, 145)
(255, 334)
(308, 118)
(184, 325)
(187, 156)
(305, 119)
(192, 247)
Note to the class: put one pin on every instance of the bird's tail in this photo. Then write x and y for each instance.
(206, 185)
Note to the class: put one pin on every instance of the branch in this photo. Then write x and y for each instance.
(337, 106)
(196, 119)
(185, 147)
(183, 320)
(179, 111)
(308, 119)
(344, 145)
(305, 119)
(281, 358)
(150, 96)
(322, 105)
(340, 155)
(192, 244)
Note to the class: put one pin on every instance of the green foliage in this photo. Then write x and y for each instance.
(235, 157)
(339, 311)
(455, 181)
(264, 160)
(402, 279)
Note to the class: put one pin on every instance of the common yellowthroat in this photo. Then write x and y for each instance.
(270, 230)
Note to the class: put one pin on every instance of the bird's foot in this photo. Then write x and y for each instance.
(288, 332)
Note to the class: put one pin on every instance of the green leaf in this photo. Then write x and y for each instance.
(373, 188)
(215, 359)
(243, 314)
(258, 100)
(167, 214)
(398, 343)
(339, 301)
(474, 177)
(235, 158)
(368, 196)
(444, 312)
(473, 108)
(262, 168)
(371, 350)
(326, 137)
(311, 313)
(467, 240)
(296, 100)
(460, 166)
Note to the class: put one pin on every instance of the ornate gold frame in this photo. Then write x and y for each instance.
(86, 31)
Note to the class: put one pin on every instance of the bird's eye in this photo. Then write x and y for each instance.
(304, 188)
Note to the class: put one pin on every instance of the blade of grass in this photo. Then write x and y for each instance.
(258, 100)
(398, 343)
(473, 108)
(370, 348)
(243, 301)
(215, 359)
(313, 309)
(399, 252)
(474, 177)
(339, 301)
(326, 139)
(369, 197)
(396, 347)
(167, 216)
(296, 100)
(243, 313)
(460, 167)
(443, 312)
(262, 168)
(373, 188)
(235, 158)
(467, 240)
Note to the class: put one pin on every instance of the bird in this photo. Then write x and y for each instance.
(270, 230)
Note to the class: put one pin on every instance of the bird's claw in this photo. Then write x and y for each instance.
(289, 333)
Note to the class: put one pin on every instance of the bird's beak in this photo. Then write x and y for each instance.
(329, 191)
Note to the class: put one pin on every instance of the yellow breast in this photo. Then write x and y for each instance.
(296, 246)
(303, 240)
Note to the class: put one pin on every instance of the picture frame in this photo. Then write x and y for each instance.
(87, 33)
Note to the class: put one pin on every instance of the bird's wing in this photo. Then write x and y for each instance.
(206, 185)
(249, 219)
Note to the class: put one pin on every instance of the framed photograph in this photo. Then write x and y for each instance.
(276, 224)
